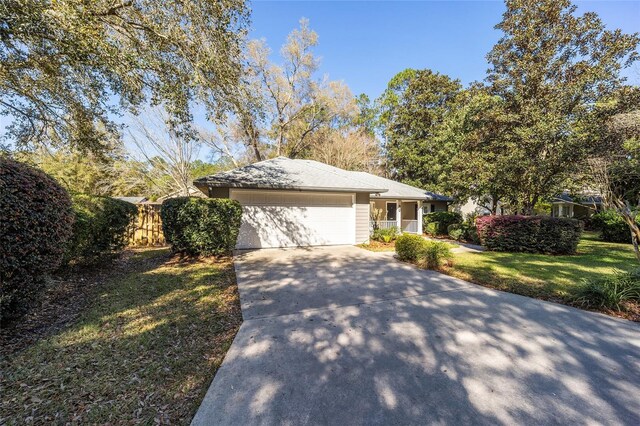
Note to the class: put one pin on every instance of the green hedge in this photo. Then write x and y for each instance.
(612, 227)
(201, 226)
(437, 223)
(100, 227)
(463, 232)
(35, 225)
(531, 234)
(426, 254)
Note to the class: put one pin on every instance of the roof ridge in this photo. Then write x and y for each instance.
(334, 167)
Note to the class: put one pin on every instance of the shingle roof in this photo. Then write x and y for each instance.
(580, 199)
(132, 200)
(285, 173)
(398, 190)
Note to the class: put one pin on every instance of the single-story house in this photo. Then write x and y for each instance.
(296, 203)
(579, 206)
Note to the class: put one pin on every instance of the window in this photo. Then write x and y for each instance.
(391, 211)
(432, 208)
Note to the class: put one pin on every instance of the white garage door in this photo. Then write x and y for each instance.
(294, 219)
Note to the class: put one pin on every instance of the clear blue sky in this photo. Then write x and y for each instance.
(366, 43)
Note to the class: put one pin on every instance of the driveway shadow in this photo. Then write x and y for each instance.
(344, 336)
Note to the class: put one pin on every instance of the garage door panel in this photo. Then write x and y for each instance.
(293, 220)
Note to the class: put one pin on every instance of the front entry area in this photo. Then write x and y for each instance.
(294, 219)
(401, 215)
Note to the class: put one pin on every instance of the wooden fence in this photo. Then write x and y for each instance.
(146, 230)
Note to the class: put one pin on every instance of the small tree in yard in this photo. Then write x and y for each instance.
(616, 173)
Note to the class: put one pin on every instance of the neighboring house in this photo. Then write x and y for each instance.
(579, 206)
(133, 200)
(193, 192)
(475, 207)
(293, 203)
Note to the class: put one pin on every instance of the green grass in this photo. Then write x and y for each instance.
(144, 351)
(544, 276)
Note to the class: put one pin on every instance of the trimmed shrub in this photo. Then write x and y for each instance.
(201, 226)
(531, 234)
(610, 292)
(432, 228)
(409, 247)
(463, 232)
(456, 232)
(437, 223)
(385, 235)
(424, 253)
(471, 234)
(612, 227)
(35, 225)
(100, 227)
(433, 254)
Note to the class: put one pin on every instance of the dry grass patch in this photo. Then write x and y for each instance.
(144, 350)
(379, 246)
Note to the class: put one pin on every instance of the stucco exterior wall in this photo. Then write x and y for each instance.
(362, 218)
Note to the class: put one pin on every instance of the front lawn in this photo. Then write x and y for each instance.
(544, 276)
(143, 351)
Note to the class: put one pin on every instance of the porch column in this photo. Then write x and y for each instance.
(419, 218)
(399, 215)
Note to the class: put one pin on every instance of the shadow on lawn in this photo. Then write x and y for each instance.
(449, 356)
(145, 350)
(556, 276)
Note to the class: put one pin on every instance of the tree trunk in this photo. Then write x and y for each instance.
(634, 229)
(254, 139)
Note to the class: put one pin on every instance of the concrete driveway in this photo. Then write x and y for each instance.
(340, 335)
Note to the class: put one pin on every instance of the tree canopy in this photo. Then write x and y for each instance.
(527, 132)
(68, 66)
(413, 110)
(550, 68)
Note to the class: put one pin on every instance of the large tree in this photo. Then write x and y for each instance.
(347, 148)
(412, 112)
(550, 68)
(478, 154)
(283, 104)
(67, 66)
(111, 173)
